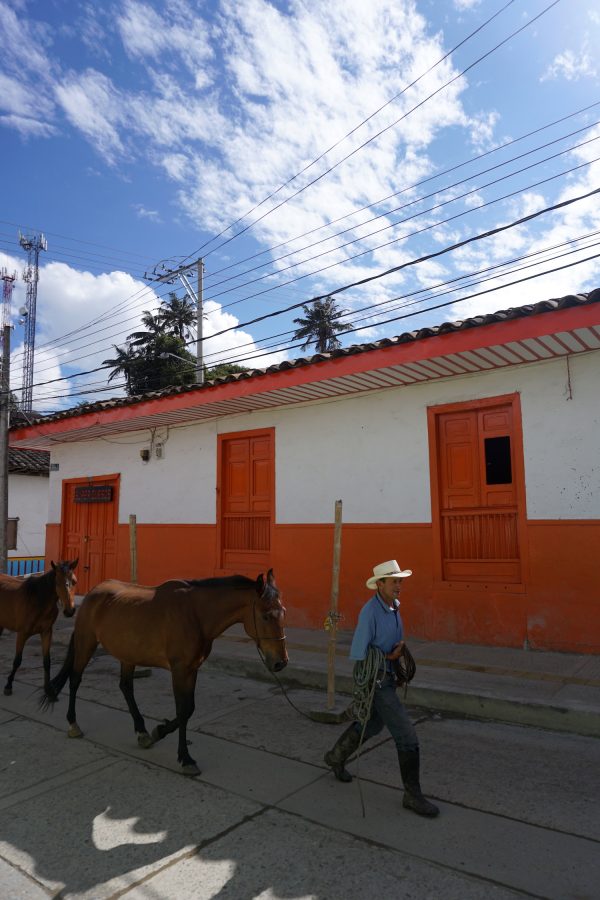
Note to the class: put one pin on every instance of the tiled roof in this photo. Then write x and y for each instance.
(28, 462)
(422, 334)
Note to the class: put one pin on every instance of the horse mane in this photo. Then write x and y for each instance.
(36, 584)
(235, 582)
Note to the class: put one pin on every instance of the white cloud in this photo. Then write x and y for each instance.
(152, 214)
(466, 4)
(92, 105)
(482, 127)
(68, 300)
(571, 66)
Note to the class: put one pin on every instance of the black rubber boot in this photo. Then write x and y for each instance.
(413, 798)
(344, 747)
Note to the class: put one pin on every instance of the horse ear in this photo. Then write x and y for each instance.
(260, 583)
(52, 564)
(270, 577)
(73, 565)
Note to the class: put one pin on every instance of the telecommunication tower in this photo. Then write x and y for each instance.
(32, 243)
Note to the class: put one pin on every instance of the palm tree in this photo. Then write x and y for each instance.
(177, 315)
(124, 363)
(154, 326)
(319, 326)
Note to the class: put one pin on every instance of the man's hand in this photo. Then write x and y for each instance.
(396, 652)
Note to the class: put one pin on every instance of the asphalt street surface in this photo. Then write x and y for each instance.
(101, 818)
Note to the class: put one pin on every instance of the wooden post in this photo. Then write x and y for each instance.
(133, 547)
(333, 611)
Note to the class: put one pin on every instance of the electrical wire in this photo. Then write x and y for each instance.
(393, 124)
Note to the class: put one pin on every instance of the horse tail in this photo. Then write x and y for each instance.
(50, 694)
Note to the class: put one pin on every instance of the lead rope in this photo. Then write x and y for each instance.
(264, 662)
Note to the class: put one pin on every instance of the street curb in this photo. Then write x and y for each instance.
(468, 705)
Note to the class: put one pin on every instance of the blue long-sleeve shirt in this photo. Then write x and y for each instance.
(378, 626)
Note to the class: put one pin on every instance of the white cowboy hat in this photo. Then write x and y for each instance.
(389, 569)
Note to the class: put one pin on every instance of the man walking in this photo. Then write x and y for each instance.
(380, 626)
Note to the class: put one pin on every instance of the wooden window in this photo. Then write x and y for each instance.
(476, 490)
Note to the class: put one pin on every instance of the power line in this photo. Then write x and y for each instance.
(406, 236)
(364, 237)
(421, 182)
(336, 144)
(450, 248)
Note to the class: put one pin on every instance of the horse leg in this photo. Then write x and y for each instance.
(21, 639)
(126, 685)
(184, 686)
(83, 654)
(46, 639)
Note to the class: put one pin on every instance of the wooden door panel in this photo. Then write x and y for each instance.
(92, 526)
(246, 504)
(75, 526)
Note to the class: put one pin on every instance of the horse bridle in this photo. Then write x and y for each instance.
(283, 638)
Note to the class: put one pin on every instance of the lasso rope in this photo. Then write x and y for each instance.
(365, 674)
(365, 680)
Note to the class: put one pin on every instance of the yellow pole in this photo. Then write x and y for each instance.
(333, 612)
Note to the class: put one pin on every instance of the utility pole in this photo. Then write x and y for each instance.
(199, 317)
(4, 423)
(168, 276)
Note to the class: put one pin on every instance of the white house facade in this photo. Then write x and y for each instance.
(469, 452)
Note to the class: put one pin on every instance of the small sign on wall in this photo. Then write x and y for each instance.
(93, 493)
(54, 467)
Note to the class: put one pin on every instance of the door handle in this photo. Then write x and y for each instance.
(87, 568)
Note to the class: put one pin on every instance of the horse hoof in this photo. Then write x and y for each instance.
(7, 692)
(75, 731)
(190, 769)
(145, 740)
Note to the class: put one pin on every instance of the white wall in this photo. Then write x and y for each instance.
(28, 501)
(371, 451)
(180, 487)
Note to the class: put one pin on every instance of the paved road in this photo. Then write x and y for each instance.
(100, 818)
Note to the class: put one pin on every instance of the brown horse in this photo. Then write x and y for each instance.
(171, 626)
(30, 606)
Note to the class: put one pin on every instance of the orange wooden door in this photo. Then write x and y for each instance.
(478, 498)
(247, 477)
(90, 531)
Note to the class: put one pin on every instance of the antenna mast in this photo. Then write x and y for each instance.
(32, 244)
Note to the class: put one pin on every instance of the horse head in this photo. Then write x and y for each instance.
(266, 624)
(65, 581)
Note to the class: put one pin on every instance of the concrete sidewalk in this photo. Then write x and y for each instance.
(560, 691)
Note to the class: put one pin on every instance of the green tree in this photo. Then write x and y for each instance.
(177, 315)
(154, 328)
(320, 326)
(162, 362)
(223, 369)
(124, 363)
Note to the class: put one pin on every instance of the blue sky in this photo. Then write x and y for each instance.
(136, 132)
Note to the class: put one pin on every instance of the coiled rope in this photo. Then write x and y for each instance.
(366, 674)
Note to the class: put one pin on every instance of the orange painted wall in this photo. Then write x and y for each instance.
(558, 608)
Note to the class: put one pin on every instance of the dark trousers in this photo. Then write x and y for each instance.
(388, 710)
